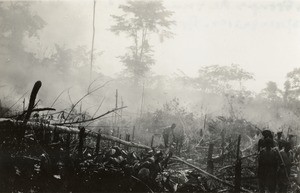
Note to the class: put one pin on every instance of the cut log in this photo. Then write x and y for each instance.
(71, 130)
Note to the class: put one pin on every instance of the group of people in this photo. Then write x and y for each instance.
(275, 160)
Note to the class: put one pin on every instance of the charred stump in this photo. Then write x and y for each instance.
(238, 168)
(97, 144)
(81, 141)
(210, 163)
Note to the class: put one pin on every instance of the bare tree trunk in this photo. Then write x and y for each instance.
(97, 144)
(152, 141)
(222, 145)
(133, 131)
(238, 168)
(210, 163)
(81, 142)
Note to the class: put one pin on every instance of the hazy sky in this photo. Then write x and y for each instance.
(262, 36)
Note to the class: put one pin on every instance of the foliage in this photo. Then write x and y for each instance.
(19, 66)
(67, 62)
(49, 161)
(284, 100)
(188, 124)
(272, 92)
(141, 19)
(220, 79)
(17, 22)
(292, 85)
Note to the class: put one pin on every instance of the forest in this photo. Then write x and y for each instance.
(67, 126)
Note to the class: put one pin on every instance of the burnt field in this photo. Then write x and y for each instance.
(39, 154)
(149, 96)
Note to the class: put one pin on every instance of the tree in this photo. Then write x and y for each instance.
(289, 96)
(65, 61)
(17, 23)
(292, 91)
(226, 81)
(293, 83)
(140, 21)
(272, 92)
(221, 79)
(286, 93)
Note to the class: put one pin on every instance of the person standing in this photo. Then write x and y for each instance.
(267, 167)
(284, 170)
(167, 133)
(261, 143)
(280, 141)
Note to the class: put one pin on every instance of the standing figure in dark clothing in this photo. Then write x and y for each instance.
(167, 132)
(280, 141)
(261, 143)
(284, 170)
(292, 140)
(267, 167)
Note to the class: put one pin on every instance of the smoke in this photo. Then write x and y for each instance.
(66, 70)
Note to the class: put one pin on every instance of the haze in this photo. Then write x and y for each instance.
(261, 36)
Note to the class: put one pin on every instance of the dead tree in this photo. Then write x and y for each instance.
(222, 145)
(118, 132)
(97, 144)
(68, 142)
(33, 94)
(55, 138)
(152, 141)
(238, 168)
(210, 163)
(81, 141)
(35, 90)
(128, 140)
(120, 137)
(133, 131)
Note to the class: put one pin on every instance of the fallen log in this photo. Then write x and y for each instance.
(208, 174)
(33, 110)
(42, 109)
(127, 143)
(71, 130)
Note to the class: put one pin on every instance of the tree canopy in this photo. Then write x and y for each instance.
(218, 78)
(142, 19)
